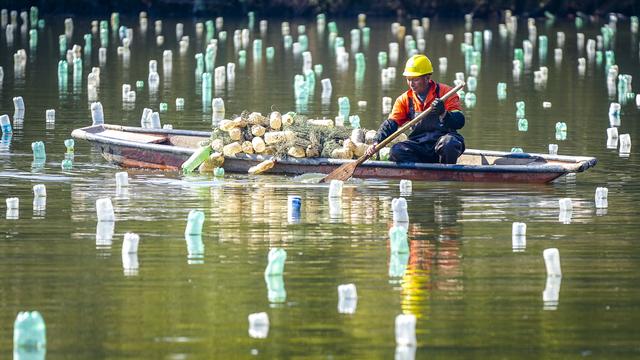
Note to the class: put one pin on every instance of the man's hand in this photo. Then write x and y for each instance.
(438, 107)
(370, 149)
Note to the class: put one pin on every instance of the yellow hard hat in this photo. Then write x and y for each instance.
(418, 65)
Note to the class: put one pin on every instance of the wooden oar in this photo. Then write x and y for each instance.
(345, 171)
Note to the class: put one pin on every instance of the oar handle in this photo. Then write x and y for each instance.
(404, 127)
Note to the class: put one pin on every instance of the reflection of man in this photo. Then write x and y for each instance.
(434, 253)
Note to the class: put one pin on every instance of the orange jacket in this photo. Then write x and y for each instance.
(401, 112)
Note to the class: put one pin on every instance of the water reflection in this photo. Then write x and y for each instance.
(21, 353)
(130, 264)
(195, 249)
(405, 352)
(5, 142)
(276, 292)
(251, 213)
(39, 207)
(13, 214)
(551, 293)
(104, 234)
(519, 243)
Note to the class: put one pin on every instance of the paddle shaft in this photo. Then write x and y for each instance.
(404, 127)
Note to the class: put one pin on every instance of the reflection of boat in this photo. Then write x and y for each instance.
(168, 149)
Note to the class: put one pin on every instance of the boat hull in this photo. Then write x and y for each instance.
(151, 151)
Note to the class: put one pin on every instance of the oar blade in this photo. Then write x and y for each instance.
(343, 173)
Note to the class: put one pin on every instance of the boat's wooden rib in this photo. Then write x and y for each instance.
(166, 149)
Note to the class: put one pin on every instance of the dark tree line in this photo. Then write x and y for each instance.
(336, 8)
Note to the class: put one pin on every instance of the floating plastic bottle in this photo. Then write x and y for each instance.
(552, 262)
(130, 263)
(12, 203)
(520, 109)
(553, 149)
(122, 179)
(405, 186)
(39, 190)
(399, 207)
(259, 325)
(294, 203)
(277, 258)
(518, 237)
(523, 125)
(386, 105)
(130, 243)
(344, 107)
(470, 99)
(5, 124)
(347, 298)
(39, 153)
(276, 292)
(218, 110)
(29, 331)
(179, 103)
(406, 330)
(354, 121)
(104, 209)
(195, 220)
(335, 188)
(145, 119)
(155, 120)
(565, 205)
(625, 142)
(561, 131)
(18, 103)
(472, 83)
(398, 240)
(551, 293)
(97, 116)
(601, 197)
(516, 150)
(195, 249)
(518, 229)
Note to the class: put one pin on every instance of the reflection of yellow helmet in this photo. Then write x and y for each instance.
(418, 65)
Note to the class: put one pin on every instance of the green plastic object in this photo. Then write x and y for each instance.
(195, 219)
(523, 125)
(218, 172)
(277, 257)
(398, 264)
(198, 157)
(399, 241)
(164, 107)
(29, 330)
(67, 164)
(69, 144)
(520, 109)
(195, 248)
(276, 291)
(317, 68)
(382, 59)
(502, 90)
(38, 151)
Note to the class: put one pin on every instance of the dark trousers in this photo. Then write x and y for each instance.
(446, 150)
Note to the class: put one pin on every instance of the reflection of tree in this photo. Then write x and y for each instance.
(434, 258)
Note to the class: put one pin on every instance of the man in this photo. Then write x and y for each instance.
(434, 139)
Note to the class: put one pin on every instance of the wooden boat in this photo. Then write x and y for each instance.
(167, 149)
